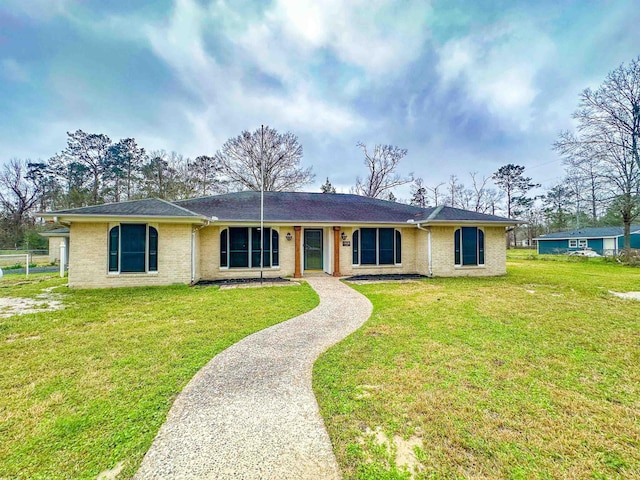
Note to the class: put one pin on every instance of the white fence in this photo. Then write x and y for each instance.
(14, 259)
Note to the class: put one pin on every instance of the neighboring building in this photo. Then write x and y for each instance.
(602, 240)
(156, 242)
(57, 237)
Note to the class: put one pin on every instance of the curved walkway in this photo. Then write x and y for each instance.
(250, 412)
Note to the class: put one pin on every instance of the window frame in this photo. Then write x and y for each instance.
(117, 253)
(583, 243)
(459, 252)
(356, 248)
(573, 243)
(270, 239)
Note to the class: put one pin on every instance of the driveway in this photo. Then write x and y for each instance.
(250, 412)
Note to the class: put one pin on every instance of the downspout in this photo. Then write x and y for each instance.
(428, 230)
(431, 216)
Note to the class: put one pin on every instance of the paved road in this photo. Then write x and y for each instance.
(250, 413)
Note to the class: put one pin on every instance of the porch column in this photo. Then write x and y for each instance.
(336, 251)
(297, 273)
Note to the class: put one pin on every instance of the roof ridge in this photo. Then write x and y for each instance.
(435, 213)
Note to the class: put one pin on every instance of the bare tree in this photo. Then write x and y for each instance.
(382, 176)
(18, 196)
(242, 157)
(455, 192)
(436, 195)
(608, 133)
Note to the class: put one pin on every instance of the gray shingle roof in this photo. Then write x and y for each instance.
(149, 207)
(589, 232)
(322, 207)
(287, 207)
(56, 232)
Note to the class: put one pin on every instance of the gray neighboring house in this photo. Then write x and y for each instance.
(602, 240)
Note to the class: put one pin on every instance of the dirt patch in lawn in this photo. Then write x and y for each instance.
(43, 302)
(627, 295)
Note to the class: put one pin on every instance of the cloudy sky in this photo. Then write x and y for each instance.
(464, 85)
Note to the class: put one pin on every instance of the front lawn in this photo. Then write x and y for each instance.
(532, 375)
(85, 388)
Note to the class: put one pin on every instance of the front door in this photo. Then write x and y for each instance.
(313, 249)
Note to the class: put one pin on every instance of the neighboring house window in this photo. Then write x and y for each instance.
(377, 246)
(469, 246)
(582, 243)
(133, 248)
(573, 243)
(240, 247)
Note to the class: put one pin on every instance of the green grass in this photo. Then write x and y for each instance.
(84, 388)
(532, 375)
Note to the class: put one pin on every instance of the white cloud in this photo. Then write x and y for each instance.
(228, 105)
(499, 68)
(378, 36)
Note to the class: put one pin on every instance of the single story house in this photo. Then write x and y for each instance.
(157, 242)
(602, 240)
(57, 237)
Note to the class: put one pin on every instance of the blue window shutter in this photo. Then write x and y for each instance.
(456, 245)
(398, 247)
(114, 241)
(480, 247)
(275, 248)
(224, 248)
(355, 247)
(153, 249)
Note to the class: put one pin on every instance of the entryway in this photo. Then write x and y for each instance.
(313, 249)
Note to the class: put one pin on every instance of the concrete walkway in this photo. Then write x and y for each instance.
(250, 412)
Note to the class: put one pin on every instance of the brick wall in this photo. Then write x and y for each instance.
(88, 266)
(209, 263)
(443, 257)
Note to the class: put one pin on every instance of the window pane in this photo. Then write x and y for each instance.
(355, 247)
(398, 247)
(224, 248)
(469, 246)
(368, 246)
(386, 246)
(238, 247)
(480, 247)
(132, 245)
(275, 248)
(114, 240)
(456, 243)
(153, 249)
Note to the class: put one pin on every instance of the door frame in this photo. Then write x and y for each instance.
(304, 253)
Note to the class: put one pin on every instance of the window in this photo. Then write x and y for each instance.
(377, 246)
(582, 243)
(573, 243)
(133, 248)
(468, 246)
(240, 247)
